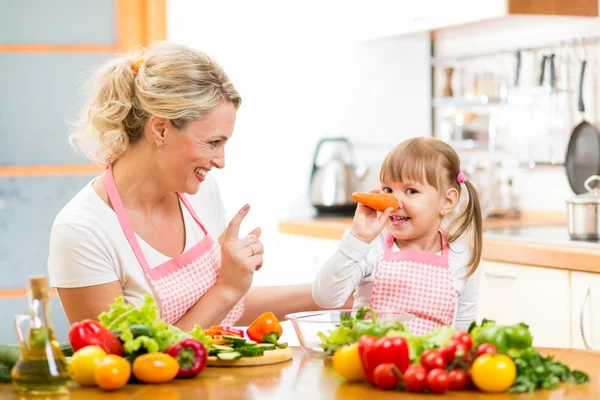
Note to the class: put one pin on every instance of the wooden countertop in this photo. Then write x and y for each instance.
(516, 251)
(305, 377)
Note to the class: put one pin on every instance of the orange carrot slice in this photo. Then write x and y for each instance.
(377, 201)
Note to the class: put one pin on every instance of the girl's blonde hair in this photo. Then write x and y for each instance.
(435, 163)
(168, 80)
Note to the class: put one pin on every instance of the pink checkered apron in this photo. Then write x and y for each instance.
(417, 282)
(180, 282)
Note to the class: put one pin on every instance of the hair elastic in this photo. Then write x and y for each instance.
(461, 178)
(136, 66)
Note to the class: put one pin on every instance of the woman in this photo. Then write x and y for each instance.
(159, 123)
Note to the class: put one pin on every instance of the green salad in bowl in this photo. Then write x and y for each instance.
(320, 333)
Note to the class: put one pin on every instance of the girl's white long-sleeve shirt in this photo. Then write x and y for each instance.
(354, 266)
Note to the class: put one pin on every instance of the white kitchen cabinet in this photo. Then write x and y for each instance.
(539, 297)
(585, 290)
(403, 17)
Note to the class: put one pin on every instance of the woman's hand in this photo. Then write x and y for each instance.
(366, 225)
(239, 257)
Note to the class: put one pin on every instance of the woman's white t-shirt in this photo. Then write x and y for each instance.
(88, 246)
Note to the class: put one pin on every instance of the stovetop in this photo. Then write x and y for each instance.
(541, 234)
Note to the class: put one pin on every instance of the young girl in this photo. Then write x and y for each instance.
(413, 265)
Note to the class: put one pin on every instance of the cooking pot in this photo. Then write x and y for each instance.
(584, 213)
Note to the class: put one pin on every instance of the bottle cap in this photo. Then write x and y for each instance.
(39, 287)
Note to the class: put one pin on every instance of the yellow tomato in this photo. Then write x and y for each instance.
(155, 368)
(346, 362)
(84, 363)
(112, 372)
(493, 373)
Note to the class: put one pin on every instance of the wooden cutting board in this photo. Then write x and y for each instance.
(270, 357)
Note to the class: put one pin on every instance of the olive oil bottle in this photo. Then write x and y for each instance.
(42, 368)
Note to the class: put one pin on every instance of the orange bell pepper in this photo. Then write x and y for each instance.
(266, 329)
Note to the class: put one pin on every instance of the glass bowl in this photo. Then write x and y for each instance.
(308, 324)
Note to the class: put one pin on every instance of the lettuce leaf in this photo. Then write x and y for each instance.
(121, 315)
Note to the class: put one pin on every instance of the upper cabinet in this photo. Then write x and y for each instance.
(398, 18)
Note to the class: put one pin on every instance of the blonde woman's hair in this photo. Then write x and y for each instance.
(172, 81)
(435, 163)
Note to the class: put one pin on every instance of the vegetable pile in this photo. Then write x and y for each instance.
(489, 357)
(132, 343)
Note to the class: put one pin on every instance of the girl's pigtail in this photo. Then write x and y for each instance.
(470, 219)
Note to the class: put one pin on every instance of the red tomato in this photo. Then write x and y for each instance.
(425, 353)
(486, 348)
(438, 381)
(385, 377)
(458, 379)
(415, 378)
(470, 384)
(468, 357)
(448, 351)
(433, 360)
(451, 350)
(464, 338)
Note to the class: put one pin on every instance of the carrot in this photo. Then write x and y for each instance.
(377, 201)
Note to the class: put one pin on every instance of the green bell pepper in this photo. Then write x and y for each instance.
(505, 337)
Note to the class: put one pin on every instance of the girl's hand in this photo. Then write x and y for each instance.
(366, 226)
(239, 257)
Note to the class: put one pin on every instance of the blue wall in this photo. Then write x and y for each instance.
(40, 94)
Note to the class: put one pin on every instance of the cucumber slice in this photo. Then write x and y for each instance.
(231, 355)
(267, 346)
(250, 351)
(235, 340)
(222, 348)
(250, 343)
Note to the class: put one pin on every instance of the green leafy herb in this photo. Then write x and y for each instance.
(537, 372)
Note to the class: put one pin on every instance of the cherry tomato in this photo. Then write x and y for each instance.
(433, 360)
(425, 353)
(438, 381)
(470, 384)
(464, 338)
(385, 377)
(448, 351)
(468, 356)
(451, 350)
(486, 348)
(415, 378)
(458, 379)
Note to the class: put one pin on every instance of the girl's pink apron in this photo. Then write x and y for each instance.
(417, 282)
(180, 282)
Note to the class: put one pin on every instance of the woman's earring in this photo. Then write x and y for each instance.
(159, 145)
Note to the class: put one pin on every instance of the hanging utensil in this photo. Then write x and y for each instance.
(583, 153)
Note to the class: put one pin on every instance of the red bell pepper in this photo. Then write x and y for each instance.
(266, 329)
(89, 332)
(191, 356)
(374, 351)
